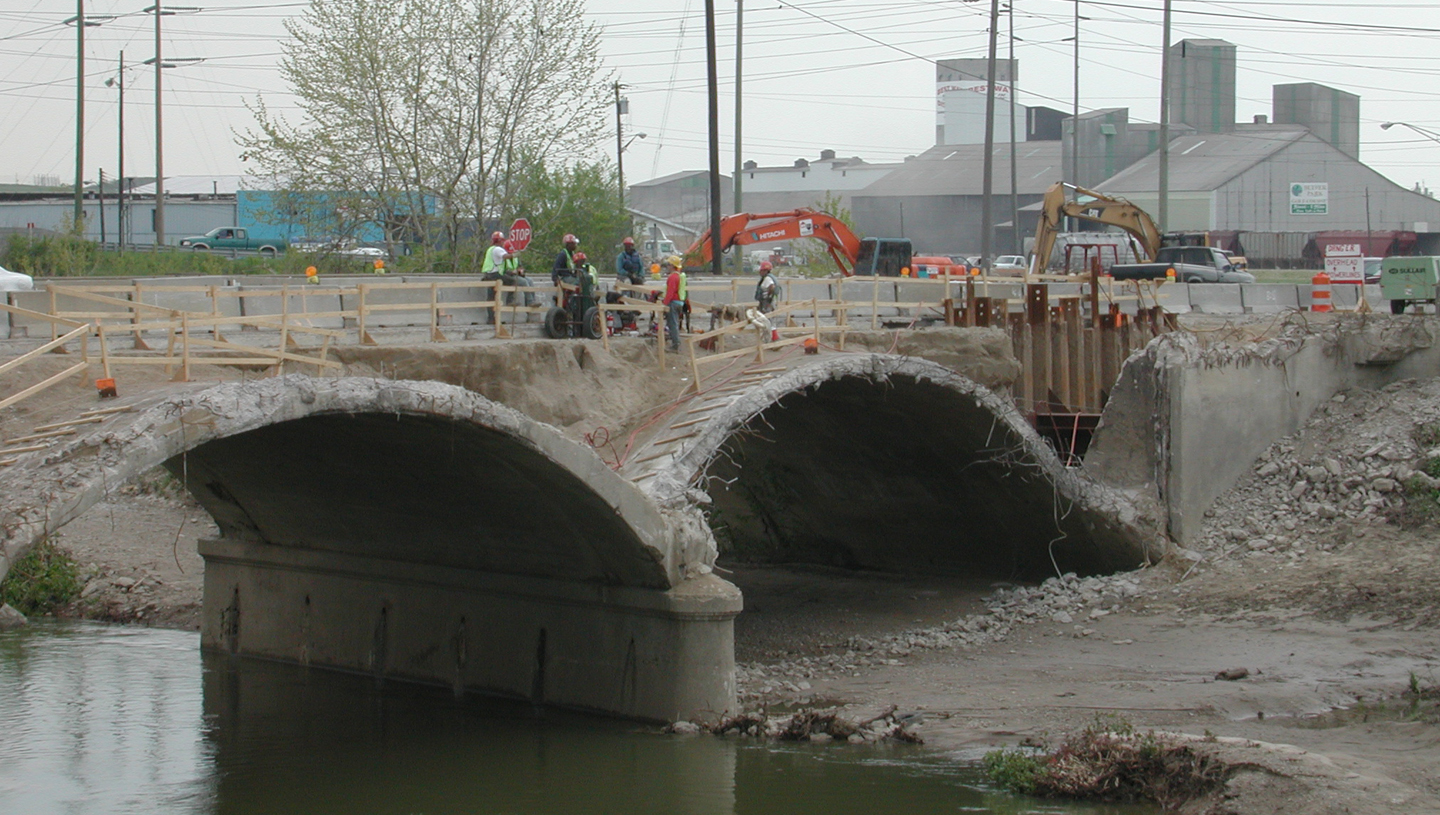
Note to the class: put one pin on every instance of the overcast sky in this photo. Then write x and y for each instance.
(852, 76)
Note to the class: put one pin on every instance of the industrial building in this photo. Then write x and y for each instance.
(936, 199)
(680, 202)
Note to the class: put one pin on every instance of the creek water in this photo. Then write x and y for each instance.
(112, 720)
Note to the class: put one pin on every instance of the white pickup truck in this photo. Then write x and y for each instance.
(1192, 264)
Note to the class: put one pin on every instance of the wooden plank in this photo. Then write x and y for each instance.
(34, 389)
(673, 439)
(71, 423)
(12, 451)
(33, 353)
(68, 431)
(108, 411)
(37, 315)
(689, 422)
(654, 456)
(1060, 353)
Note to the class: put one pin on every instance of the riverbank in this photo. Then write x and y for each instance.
(1323, 681)
(1318, 576)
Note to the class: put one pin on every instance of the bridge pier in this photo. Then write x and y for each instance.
(644, 653)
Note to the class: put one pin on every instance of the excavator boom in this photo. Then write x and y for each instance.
(745, 228)
(1090, 206)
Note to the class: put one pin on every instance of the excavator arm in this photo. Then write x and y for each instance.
(745, 228)
(1090, 206)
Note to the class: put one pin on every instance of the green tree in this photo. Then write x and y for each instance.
(423, 118)
(582, 199)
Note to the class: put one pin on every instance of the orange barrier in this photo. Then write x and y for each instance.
(1320, 292)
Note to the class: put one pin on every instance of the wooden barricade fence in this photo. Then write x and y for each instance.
(1070, 345)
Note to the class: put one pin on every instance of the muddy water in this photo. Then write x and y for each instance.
(115, 720)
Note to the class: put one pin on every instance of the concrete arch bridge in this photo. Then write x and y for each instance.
(420, 531)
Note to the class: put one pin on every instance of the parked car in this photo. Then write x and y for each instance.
(233, 237)
(1191, 264)
(1010, 264)
(315, 243)
(335, 245)
(15, 281)
(362, 252)
(1372, 269)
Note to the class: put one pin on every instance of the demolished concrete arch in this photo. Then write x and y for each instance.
(169, 428)
(630, 622)
(845, 411)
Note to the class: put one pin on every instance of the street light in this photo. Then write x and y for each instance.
(1429, 134)
(118, 82)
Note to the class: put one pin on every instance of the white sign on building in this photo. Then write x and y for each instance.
(1309, 198)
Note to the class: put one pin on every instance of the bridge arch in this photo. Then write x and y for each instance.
(894, 463)
(417, 530)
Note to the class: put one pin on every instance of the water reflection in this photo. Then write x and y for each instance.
(103, 719)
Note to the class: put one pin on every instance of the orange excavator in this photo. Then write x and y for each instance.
(886, 257)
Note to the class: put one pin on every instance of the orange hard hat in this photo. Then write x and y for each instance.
(497, 237)
(628, 242)
(580, 257)
(765, 266)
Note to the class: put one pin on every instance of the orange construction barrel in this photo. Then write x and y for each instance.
(1320, 292)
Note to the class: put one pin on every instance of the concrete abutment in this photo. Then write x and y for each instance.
(638, 652)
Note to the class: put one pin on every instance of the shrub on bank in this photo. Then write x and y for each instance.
(40, 582)
(1110, 761)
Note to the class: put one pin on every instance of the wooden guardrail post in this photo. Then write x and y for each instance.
(284, 328)
(184, 374)
(435, 333)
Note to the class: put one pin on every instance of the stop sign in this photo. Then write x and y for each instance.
(520, 234)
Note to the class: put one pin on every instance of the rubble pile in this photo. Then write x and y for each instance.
(1068, 600)
(1354, 460)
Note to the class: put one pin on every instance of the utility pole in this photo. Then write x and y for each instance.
(1016, 241)
(80, 118)
(713, 86)
(739, 30)
(620, 148)
(1075, 112)
(102, 205)
(1163, 210)
(987, 217)
(120, 188)
(159, 137)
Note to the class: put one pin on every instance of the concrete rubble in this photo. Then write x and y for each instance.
(1069, 600)
(1352, 462)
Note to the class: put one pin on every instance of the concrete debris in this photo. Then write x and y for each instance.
(1354, 460)
(1058, 600)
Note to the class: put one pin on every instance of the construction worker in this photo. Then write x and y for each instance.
(564, 268)
(674, 300)
(629, 266)
(765, 288)
(493, 263)
(583, 268)
(513, 274)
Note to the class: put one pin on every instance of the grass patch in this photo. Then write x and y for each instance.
(42, 581)
(1110, 761)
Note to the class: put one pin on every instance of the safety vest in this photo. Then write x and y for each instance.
(684, 288)
(488, 264)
